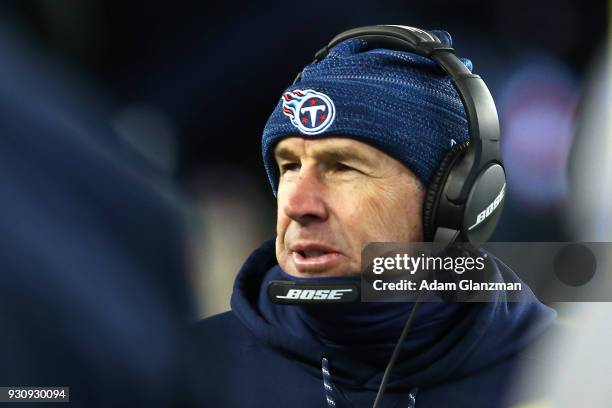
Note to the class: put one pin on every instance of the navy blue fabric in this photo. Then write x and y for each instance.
(256, 360)
(94, 292)
(369, 330)
(399, 102)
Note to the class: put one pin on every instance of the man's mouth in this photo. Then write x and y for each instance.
(311, 253)
(313, 258)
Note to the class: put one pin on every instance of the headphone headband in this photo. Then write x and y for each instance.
(405, 38)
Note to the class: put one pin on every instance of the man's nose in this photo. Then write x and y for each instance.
(305, 202)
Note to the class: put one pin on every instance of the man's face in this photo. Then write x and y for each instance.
(335, 195)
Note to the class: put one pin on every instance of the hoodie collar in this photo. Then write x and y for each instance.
(366, 331)
(442, 344)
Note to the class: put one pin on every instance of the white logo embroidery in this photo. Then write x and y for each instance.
(310, 111)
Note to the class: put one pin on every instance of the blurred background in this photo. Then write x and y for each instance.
(185, 89)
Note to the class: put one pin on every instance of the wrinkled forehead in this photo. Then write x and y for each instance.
(337, 147)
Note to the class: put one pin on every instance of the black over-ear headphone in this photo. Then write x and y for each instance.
(466, 194)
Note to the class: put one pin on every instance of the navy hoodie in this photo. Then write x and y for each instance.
(265, 355)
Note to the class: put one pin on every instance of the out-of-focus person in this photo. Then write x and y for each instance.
(93, 287)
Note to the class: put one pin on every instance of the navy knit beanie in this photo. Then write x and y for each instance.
(398, 102)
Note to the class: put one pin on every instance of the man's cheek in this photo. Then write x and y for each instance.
(380, 221)
(280, 227)
(281, 254)
(282, 221)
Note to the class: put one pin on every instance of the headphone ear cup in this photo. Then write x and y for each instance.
(435, 187)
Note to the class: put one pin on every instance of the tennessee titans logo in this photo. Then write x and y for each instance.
(310, 111)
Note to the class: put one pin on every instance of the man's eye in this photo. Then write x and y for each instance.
(342, 167)
(285, 167)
